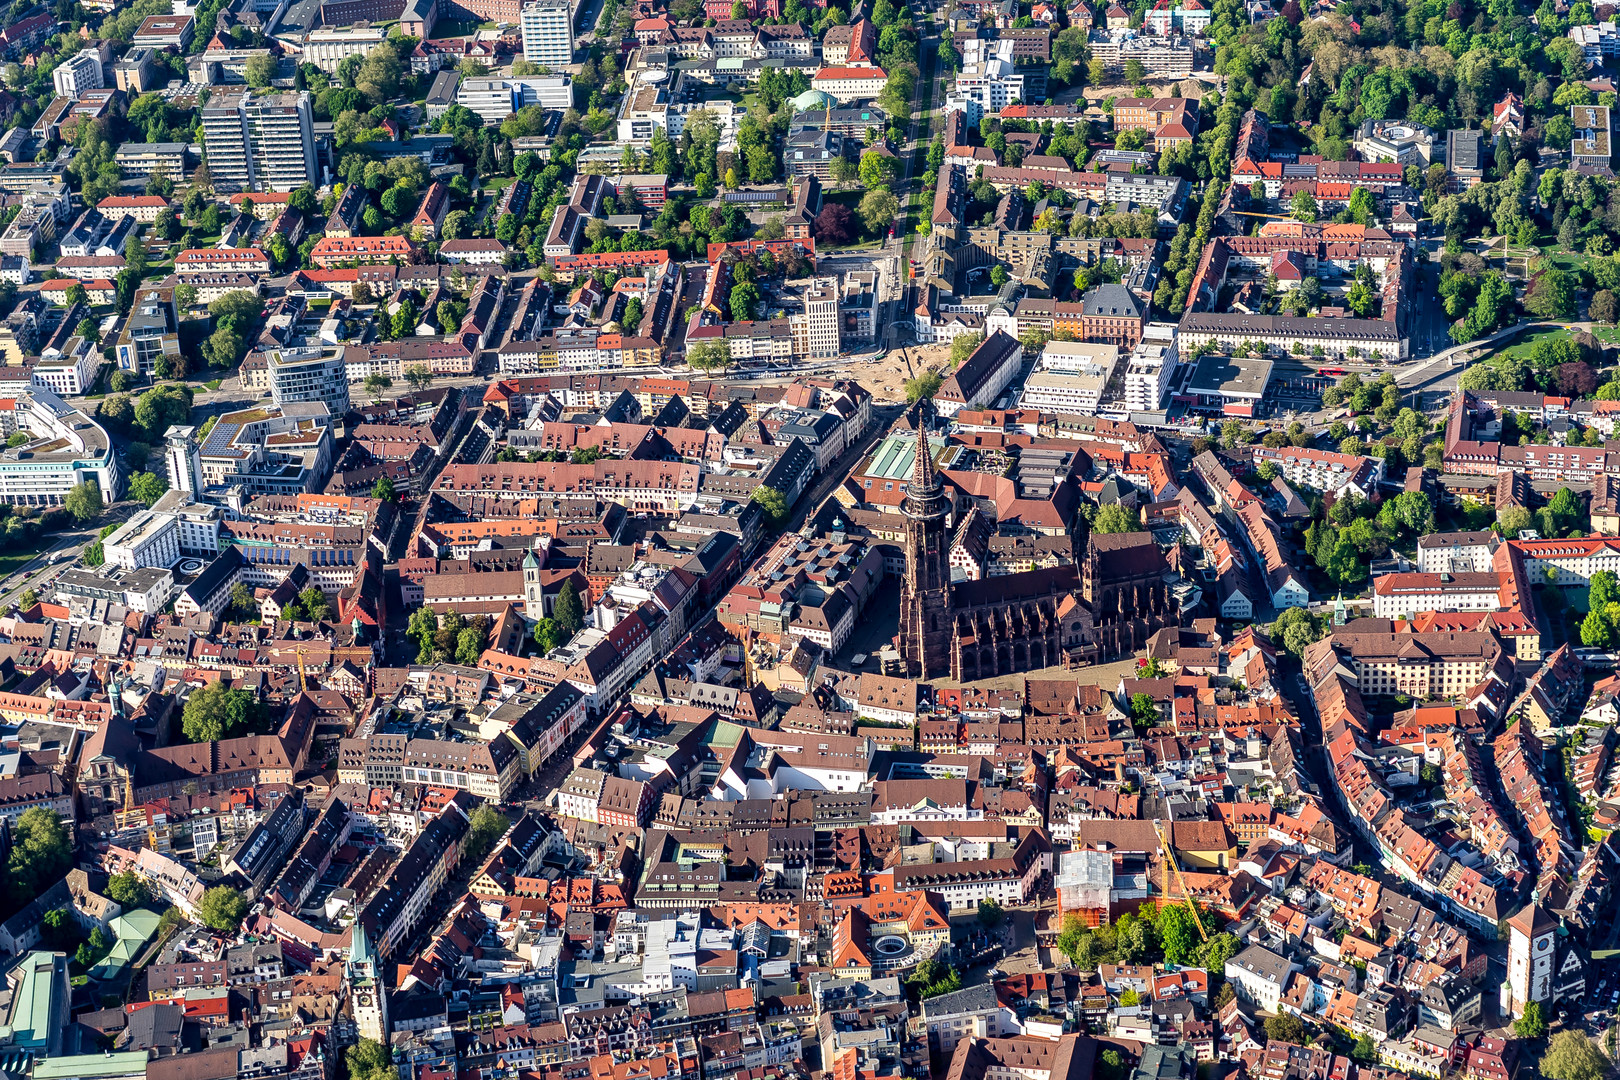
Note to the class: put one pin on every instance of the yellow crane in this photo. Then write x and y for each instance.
(1170, 858)
(303, 680)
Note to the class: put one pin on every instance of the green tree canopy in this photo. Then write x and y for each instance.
(221, 908)
(1572, 1056)
(147, 487)
(83, 501)
(41, 852)
(772, 502)
(216, 712)
(1114, 518)
(568, 611)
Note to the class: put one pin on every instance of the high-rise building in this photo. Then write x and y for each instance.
(180, 453)
(815, 332)
(310, 375)
(260, 142)
(548, 32)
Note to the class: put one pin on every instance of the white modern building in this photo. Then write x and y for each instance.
(988, 82)
(548, 33)
(298, 375)
(329, 47)
(79, 73)
(1598, 41)
(180, 454)
(148, 538)
(69, 372)
(1152, 362)
(66, 448)
(1073, 385)
(815, 330)
(491, 99)
(283, 450)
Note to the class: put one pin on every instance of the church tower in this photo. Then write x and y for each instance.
(534, 605)
(925, 595)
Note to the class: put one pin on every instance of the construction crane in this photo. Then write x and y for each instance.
(1170, 857)
(303, 680)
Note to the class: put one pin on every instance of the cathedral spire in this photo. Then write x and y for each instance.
(923, 477)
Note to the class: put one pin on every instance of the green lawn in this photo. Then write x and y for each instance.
(13, 558)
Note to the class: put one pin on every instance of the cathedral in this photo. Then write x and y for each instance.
(1106, 607)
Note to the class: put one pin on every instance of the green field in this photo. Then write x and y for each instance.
(1524, 343)
(13, 558)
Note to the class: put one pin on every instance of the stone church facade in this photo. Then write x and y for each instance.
(1068, 616)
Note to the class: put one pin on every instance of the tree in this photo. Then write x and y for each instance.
(370, 1060)
(1596, 633)
(1603, 307)
(922, 386)
(484, 828)
(1178, 934)
(383, 489)
(876, 170)
(1365, 1052)
(147, 487)
(1602, 590)
(260, 69)
(567, 610)
(129, 890)
(217, 712)
(221, 908)
(83, 501)
(1304, 206)
(1513, 520)
(242, 601)
(547, 634)
(41, 852)
(1128, 997)
(835, 224)
(1531, 1025)
(419, 377)
(772, 502)
(879, 208)
(1572, 1056)
(1114, 518)
(1144, 711)
(1551, 295)
(314, 603)
(990, 914)
(963, 346)
(1286, 1027)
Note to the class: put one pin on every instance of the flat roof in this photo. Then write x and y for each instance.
(1228, 376)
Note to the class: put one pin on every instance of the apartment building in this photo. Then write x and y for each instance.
(151, 332)
(1151, 364)
(548, 32)
(259, 141)
(77, 73)
(1324, 470)
(66, 448)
